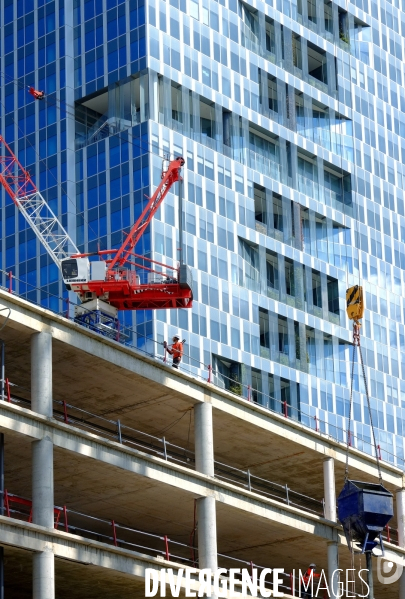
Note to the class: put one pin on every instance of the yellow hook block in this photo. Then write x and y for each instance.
(355, 302)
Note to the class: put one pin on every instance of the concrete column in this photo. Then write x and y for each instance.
(42, 482)
(402, 586)
(400, 501)
(206, 508)
(41, 373)
(204, 438)
(333, 565)
(207, 533)
(43, 575)
(330, 514)
(400, 504)
(329, 488)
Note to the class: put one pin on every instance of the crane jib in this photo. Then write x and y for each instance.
(45, 224)
(169, 177)
(109, 283)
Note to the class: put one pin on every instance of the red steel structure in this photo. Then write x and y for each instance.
(115, 282)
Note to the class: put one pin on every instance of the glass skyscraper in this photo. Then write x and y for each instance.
(290, 118)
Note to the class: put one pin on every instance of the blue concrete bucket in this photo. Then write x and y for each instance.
(364, 509)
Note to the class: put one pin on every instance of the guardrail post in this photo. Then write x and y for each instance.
(251, 570)
(56, 523)
(164, 448)
(285, 409)
(65, 414)
(316, 423)
(167, 548)
(249, 482)
(248, 392)
(379, 452)
(119, 431)
(65, 518)
(118, 331)
(10, 282)
(8, 391)
(6, 503)
(114, 533)
(67, 308)
(292, 584)
(287, 495)
(209, 380)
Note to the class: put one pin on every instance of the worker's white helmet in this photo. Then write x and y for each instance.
(313, 566)
(177, 336)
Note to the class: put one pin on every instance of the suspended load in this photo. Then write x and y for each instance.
(364, 509)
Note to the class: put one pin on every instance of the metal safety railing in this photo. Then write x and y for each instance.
(115, 430)
(200, 371)
(111, 532)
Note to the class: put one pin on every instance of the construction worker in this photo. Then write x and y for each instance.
(175, 350)
(308, 587)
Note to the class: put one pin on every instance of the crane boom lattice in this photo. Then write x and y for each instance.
(22, 190)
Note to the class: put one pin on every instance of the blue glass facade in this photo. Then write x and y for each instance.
(290, 116)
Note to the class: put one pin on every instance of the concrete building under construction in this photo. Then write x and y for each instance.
(288, 116)
(113, 463)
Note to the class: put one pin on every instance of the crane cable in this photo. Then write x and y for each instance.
(356, 343)
(356, 324)
(58, 104)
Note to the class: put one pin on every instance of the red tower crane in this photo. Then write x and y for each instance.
(115, 281)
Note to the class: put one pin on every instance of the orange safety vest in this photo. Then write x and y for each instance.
(307, 576)
(177, 350)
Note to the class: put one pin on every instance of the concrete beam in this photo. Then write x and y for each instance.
(23, 421)
(70, 547)
(25, 315)
(78, 549)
